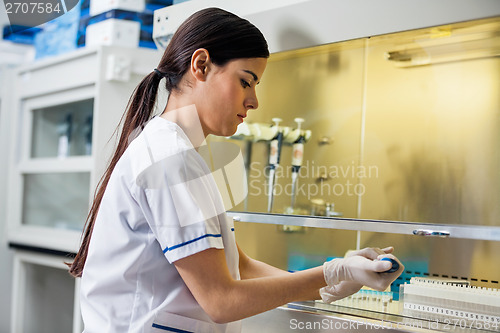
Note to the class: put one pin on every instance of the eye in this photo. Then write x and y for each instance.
(244, 83)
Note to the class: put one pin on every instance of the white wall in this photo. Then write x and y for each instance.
(5, 253)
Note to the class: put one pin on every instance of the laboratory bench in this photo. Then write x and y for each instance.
(319, 317)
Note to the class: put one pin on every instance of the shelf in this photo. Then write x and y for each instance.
(67, 241)
(394, 227)
(57, 165)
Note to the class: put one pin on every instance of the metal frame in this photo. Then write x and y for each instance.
(395, 227)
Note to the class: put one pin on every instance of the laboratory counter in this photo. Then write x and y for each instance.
(319, 317)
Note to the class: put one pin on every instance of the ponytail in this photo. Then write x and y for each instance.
(139, 111)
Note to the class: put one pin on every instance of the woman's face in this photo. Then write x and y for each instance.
(228, 94)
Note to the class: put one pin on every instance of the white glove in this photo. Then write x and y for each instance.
(370, 252)
(362, 270)
(343, 289)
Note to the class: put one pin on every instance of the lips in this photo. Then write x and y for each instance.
(242, 116)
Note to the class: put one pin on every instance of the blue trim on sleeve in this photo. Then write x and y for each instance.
(170, 329)
(189, 242)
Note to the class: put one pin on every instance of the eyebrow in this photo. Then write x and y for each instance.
(255, 77)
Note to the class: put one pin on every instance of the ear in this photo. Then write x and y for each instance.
(200, 62)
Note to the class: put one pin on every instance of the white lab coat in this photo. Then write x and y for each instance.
(154, 212)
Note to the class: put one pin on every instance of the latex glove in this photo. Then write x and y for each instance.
(343, 289)
(370, 252)
(362, 270)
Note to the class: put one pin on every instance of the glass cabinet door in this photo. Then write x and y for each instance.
(323, 85)
(56, 159)
(62, 130)
(58, 200)
(48, 285)
(45, 297)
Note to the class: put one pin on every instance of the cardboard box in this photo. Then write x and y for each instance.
(114, 32)
(100, 6)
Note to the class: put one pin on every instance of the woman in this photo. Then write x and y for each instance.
(159, 251)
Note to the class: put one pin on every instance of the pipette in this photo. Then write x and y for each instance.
(395, 265)
(274, 160)
(297, 157)
(251, 133)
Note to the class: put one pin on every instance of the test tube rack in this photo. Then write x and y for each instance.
(447, 302)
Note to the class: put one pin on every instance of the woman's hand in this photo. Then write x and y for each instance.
(370, 252)
(347, 288)
(361, 267)
(343, 289)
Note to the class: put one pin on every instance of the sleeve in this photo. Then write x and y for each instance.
(184, 205)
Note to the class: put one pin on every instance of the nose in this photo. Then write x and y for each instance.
(251, 102)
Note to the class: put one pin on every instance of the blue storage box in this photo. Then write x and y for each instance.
(144, 18)
(58, 36)
(21, 35)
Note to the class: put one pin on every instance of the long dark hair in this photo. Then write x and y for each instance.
(225, 36)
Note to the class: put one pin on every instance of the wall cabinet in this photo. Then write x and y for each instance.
(64, 114)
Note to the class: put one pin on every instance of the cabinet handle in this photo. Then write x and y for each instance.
(433, 233)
